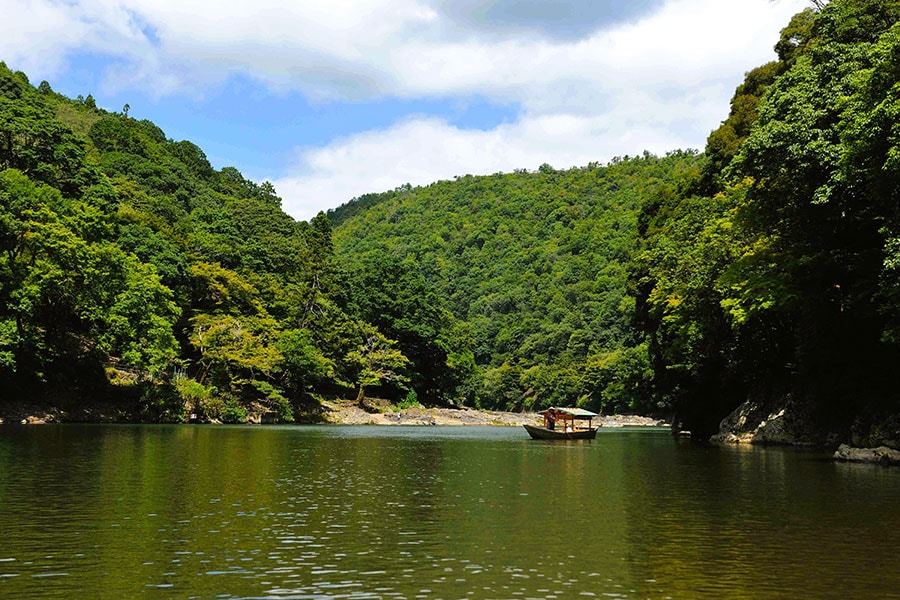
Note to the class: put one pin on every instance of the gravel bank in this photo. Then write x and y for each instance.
(350, 413)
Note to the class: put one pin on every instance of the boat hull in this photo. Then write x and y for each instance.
(542, 433)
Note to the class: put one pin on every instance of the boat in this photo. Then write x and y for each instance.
(564, 424)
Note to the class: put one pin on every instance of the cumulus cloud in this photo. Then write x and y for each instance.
(422, 150)
(600, 82)
(385, 48)
(658, 84)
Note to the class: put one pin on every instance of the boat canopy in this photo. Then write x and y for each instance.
(575, 413)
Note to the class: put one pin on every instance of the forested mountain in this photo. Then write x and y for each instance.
(130, 268)
(775, 277)
(764, 269)
(533, 265)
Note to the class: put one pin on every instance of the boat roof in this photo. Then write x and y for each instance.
(578, 413)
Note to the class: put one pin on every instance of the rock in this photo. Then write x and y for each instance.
(775, 430)
(350, 413)
(881, 455)
(873, 430)
(755, 423)
(612, 421)
(38, 419)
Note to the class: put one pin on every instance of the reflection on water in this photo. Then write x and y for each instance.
(367, 512)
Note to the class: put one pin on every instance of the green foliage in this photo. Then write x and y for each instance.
(765, 268)
(35, 143)
(70, 294)
(619, 381)
(795, 38)
(783, 285)
(411, 400)
(482, 276)
(194, 393)
(274, 398)
(393, 295)
(234, 349)
(376, 361)
(227, 410)
(303, 365)
(725, 142)
(112, 134)
(162, 403)
(118, 245)
(9, 339)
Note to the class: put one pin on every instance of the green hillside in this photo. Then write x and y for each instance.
(133, 271)
(534, 265)
(762, 271)
(774, 279)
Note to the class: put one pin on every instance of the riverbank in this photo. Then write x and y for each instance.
(350, 413)
(873, 440)
(335, 412)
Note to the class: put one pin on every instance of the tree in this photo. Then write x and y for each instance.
(303, 365)
(774, 288)
(235, 349)
(35, 143)
(377, 362)
(69, 295)
(394, 296)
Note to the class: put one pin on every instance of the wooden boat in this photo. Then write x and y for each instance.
(564, 424)
(542, 433)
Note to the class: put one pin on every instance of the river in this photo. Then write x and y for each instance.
(433, 512)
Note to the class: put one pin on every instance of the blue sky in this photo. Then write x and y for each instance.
(331, 100)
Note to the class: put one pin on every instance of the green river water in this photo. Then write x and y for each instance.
(433, 512)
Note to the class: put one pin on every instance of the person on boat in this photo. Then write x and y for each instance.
(551, 420)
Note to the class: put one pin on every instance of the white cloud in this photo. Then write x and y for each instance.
(379, 48)
(423, 150)
(658, 83)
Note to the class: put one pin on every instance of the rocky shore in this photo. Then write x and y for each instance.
(350, 413)
(337, 412)
(784, 423)
(881, 455)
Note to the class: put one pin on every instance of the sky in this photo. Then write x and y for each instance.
(333, 99)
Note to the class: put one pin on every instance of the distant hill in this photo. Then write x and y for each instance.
(130, 268)
(760, 275)
(535, 265)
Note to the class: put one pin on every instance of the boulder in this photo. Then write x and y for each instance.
(873, 430)
(881, 455)
(757, 423)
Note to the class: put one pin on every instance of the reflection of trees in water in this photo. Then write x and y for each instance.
(751, 522)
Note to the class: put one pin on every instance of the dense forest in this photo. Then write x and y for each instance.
(535, 268)
(774, 277)
(132, 270)
(764, 268)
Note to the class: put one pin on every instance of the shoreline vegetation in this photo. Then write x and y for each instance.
(381, 413)
(326, 412)
(750, 289)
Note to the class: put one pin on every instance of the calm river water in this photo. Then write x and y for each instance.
(433, 512)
